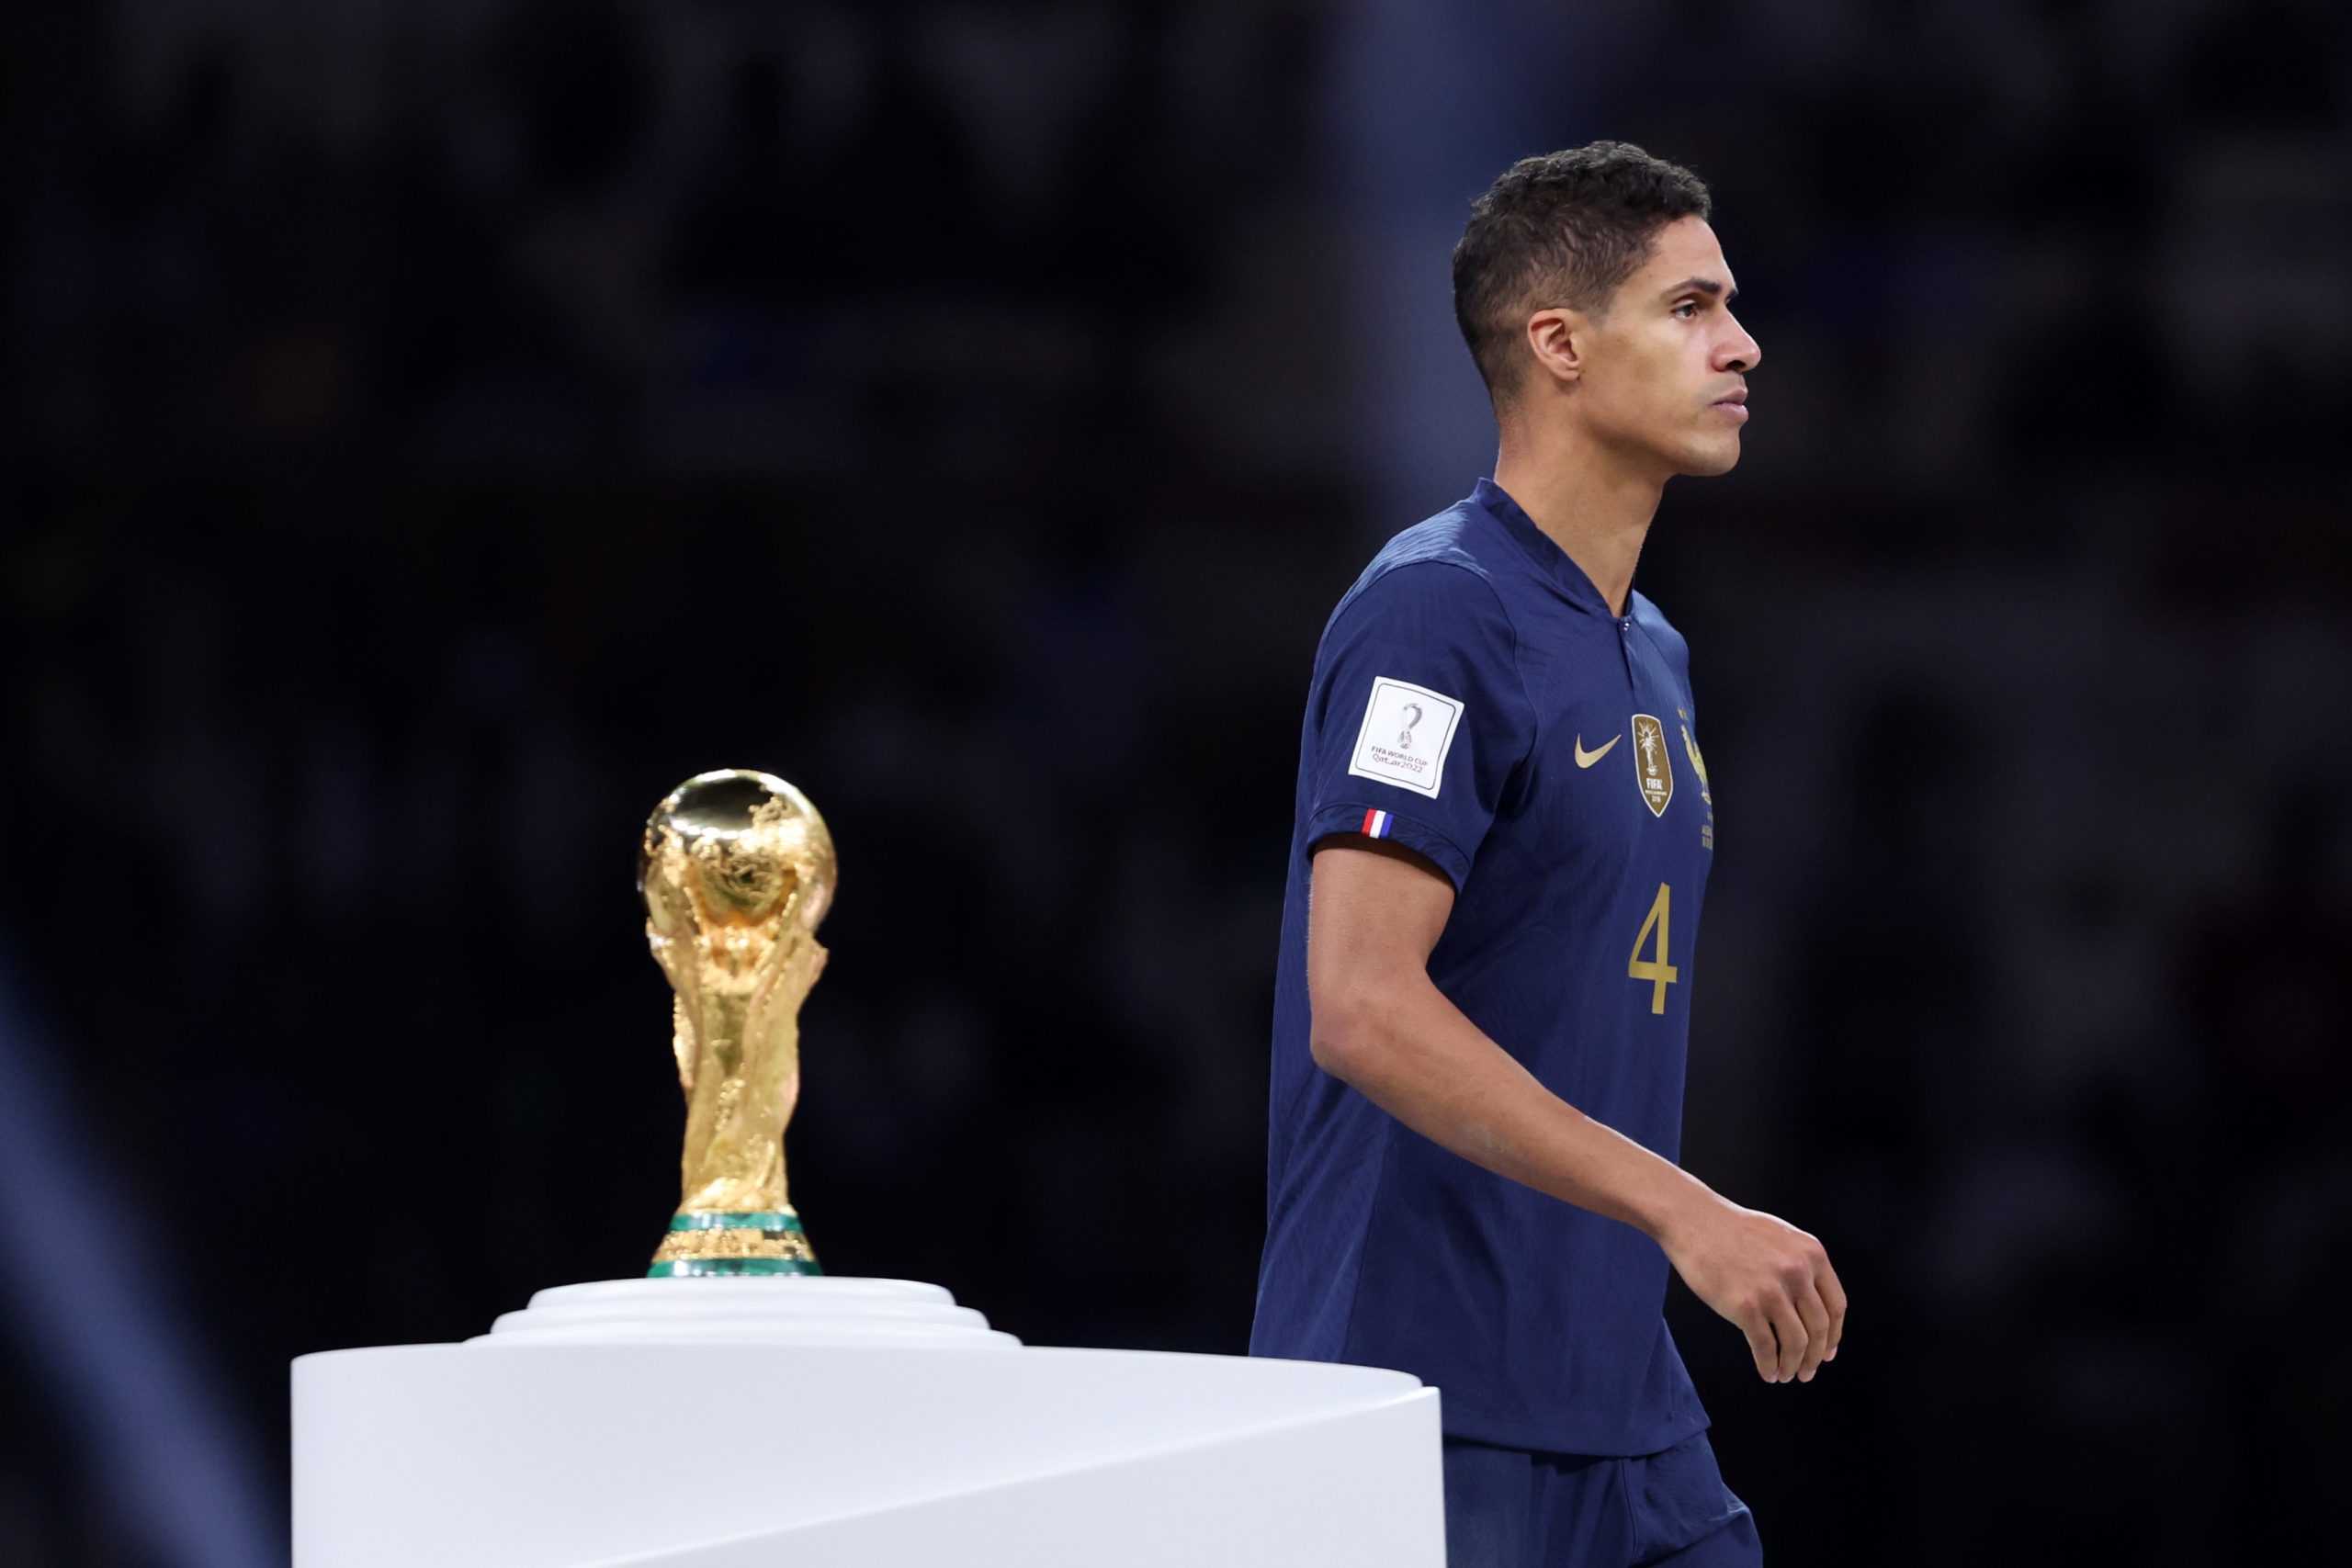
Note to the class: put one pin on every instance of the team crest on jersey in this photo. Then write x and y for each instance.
(1652, 768)
(1698, 765)
(1706, 792)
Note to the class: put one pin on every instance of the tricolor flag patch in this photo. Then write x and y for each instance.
(1375, 824)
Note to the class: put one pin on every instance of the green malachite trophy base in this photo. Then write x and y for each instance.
(717, 1268)
(712, 1243)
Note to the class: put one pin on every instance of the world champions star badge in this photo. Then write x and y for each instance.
(1653, 770)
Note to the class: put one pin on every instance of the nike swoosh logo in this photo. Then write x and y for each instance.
(1586, 759)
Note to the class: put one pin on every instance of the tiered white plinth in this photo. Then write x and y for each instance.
(762, 1423)
(812, 1309)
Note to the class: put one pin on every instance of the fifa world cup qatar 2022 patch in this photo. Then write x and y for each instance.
(1407, 730)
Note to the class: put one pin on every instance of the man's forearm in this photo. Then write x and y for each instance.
(1413, 1053)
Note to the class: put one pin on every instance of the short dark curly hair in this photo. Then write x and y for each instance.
(1561, 229)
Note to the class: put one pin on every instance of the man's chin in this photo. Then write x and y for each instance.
(1704, 462)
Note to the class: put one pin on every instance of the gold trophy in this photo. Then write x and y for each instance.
(736, 869)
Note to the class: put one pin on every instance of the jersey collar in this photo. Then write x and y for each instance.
(1549, 559)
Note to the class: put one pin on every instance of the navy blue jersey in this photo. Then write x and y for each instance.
(1476, 699)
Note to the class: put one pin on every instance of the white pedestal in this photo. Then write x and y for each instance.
(761, 1422)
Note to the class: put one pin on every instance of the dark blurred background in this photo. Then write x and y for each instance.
(430, 431)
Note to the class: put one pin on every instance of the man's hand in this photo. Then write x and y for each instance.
(1769, 1279)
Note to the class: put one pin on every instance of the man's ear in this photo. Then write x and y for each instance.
(1558, 338)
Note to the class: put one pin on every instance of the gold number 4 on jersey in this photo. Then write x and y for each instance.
(1657, 971)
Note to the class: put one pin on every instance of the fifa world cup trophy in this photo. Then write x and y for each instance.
(737, 870)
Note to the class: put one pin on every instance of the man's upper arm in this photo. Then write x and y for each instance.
(1417, 721)
(1374, 912)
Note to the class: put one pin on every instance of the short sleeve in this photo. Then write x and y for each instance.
(1417, 718)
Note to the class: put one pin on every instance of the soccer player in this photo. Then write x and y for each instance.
(1503, 830)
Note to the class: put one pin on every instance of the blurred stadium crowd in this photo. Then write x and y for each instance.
(429, 432)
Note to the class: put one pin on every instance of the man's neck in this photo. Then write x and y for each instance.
(1587, 500)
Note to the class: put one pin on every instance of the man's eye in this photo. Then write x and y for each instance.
(1687, 310)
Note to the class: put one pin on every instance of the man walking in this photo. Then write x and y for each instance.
(1503, 832)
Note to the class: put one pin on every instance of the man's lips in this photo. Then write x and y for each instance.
(1734, 403)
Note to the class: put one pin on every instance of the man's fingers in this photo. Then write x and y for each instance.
(1791, 1330)
(1833, 1296)
(1817, 1331)
(1760, 1343)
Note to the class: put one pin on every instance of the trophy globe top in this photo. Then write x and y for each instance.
(737, 847)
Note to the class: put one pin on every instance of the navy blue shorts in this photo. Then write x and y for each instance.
(1509, 1508)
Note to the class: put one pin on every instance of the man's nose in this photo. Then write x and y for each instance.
(1739, 352)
